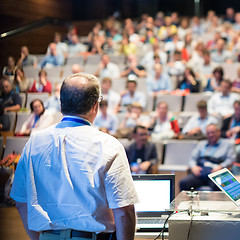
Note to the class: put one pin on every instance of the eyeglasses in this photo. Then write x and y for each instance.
(100, 98)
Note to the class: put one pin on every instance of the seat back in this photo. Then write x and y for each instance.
(174, 102)
(12, 118)
(21, 118)
(178, 152)
(15, 144)
(33, 96)
(191, 100)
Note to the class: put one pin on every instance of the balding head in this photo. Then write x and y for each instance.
(79, 93)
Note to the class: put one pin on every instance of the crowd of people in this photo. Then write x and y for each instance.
(175, 56)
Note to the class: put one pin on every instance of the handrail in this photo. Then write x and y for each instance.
(34, 25)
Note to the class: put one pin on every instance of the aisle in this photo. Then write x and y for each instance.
(11, 227)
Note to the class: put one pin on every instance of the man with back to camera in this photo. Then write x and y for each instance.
(72, 180)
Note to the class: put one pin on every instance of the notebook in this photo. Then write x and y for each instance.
(228, 183)
(155, 193)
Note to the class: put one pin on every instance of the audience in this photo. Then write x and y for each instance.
(142, 154)
(161, 45)
(42, 84)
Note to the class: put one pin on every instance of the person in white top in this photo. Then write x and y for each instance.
(113, 98)
(39, 119)
(72, 180)
(221, 103)
(107, 68)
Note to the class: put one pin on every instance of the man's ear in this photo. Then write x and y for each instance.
(95, 107)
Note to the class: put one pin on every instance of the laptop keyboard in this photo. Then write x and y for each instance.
(150, 221)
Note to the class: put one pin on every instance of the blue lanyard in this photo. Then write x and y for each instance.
(81, 121)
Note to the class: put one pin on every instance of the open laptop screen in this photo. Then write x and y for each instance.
(155, 193)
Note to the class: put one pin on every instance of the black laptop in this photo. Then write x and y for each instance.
(155, 193)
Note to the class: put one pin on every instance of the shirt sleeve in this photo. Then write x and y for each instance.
(19, 186)
(119, 186)
(230, 155)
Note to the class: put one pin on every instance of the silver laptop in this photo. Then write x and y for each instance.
(228, 183)
(155, 193)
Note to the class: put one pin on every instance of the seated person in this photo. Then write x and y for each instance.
(135, 117)
(196, 125)
(214, 82)
(158, 82)
(141, 154)
(131, 95)
(4, 120)
(9, 99)
(53, 58)
(76, 68)
(26, 60)
(52, 104)
(164, 127)
(112, 97)
(221, 103)
(208, 156)
(75, 48)
(106, 119)
(20, 83)
(42, 85)
(133, 68)
(107, 68)
(189, 81)
(9, 70)
(38, 120)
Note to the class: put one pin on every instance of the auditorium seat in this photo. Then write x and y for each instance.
(33, 96)
(23, 98)
(14, 144)
(174, 102)
(74, 60)
(21, 118)
(31, 72)
(191, 100)
(12, 117)
(93, 59)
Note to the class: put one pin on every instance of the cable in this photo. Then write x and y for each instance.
(190, 224)
(164, 227)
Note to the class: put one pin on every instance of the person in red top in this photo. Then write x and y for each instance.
(42, 85)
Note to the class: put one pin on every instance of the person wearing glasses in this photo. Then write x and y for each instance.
(72, 180)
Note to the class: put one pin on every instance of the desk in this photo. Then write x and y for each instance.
(213, 227)
(149, 235)
(214, 217)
